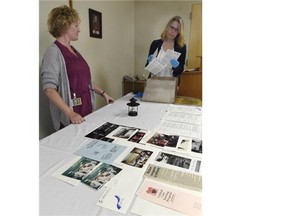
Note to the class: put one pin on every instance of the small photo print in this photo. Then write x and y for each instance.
(196, 146)
(101, 175)
(101, 132)
(162, 140)
(124, 132)
(137, 157)
(173, 160)
(81, 168)
(190, 145)
(137, 137)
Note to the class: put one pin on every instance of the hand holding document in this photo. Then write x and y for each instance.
(158, 64)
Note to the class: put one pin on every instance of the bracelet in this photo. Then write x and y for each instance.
(102, 94)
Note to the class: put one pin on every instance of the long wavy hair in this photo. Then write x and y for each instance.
(60, 19)
(180, 41)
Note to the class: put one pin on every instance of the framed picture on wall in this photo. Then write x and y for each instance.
(95, 23)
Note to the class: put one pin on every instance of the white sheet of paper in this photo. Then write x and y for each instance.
(145, 208)
(180, 128)
(155, 66)
(169, 55)
(120, 197)
(58, 173)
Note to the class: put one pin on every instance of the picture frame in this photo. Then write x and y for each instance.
(95, 23)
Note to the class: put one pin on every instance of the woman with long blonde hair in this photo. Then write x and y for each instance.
(172, 38)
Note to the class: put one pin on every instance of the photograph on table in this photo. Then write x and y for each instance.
(137, 137)
(193, 164)
(101, 175)
(122, 132)
(102, 131)
(81, 168)
(137, 157)
(190, 145)
(163, 140)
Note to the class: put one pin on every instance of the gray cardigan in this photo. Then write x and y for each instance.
(54, 75)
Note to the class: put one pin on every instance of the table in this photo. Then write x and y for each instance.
(59, 198)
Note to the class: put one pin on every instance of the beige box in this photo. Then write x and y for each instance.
(160, 89)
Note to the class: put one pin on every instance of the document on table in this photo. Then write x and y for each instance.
(174, 177)
(179, 128)
(120, 197)
(183, 117)
(170, 197)
(194, 110)
(101, 151)
(145, 208)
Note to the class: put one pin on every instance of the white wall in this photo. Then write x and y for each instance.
(128, 29)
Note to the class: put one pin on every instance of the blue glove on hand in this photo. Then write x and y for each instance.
(150, 58)
(174, 63)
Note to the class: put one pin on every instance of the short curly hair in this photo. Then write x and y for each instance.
(60, 19)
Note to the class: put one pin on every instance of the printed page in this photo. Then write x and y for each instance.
(179, 161)
(171, 197)
(179, 128)
(194, 110)
(155, 66)
(101, 151)
(175, 177)
(169, 55)
(183, 117)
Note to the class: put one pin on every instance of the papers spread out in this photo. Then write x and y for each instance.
(158, 64)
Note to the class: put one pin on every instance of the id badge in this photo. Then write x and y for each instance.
(76, 101)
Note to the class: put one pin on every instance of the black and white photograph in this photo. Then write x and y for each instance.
(123, 132)
(102, 131)
(196, 146)
(190, 145)
(173, 160)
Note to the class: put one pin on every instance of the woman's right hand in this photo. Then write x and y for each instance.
(75, 118)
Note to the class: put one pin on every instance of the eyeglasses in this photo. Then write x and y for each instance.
(174, 29)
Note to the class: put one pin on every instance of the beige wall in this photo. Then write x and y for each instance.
(128, 29)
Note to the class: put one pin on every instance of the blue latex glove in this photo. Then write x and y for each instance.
(150, 58)
(174, 63)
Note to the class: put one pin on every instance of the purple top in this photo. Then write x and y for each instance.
(79, 78)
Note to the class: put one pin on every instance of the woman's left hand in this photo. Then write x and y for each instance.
(108, 99)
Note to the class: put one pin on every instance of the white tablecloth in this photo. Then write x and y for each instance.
(58, 197)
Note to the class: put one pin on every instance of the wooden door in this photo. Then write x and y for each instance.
(195, 41)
